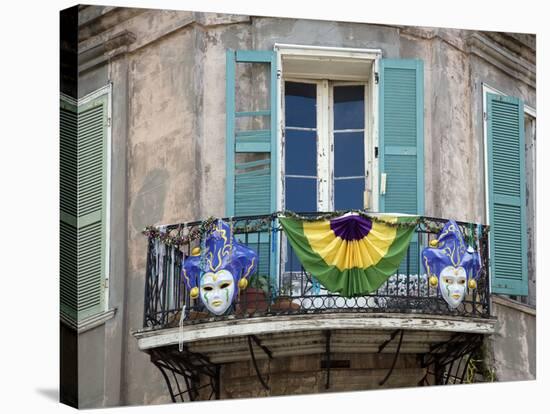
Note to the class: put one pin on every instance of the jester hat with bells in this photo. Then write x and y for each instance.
(220, 269)
(452, 264)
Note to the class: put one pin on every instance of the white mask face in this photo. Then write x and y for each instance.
(452, 284)
(216, 290)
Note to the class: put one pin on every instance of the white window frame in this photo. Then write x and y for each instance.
(368, 147)
(528, 110)
(319, 128)
(324, 123)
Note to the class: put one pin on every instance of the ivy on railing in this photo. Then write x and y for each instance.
(165, 236)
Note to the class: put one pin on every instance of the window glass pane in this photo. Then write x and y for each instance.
(349, 107)
(301, 152)
(300, 100)
(349, 154)
(348, 194)
(301, 194)
(292, 262)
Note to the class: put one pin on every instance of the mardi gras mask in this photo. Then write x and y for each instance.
(217, 290)
(452, 284)
(215, 273)
(455, 265)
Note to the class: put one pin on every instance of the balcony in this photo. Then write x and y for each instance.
(292, 314)
(292, 291)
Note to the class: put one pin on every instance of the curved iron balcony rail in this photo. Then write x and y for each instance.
(291, 290)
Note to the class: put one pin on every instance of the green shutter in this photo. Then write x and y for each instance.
(242, 195)
(252, 180)
(507, 203)
(251, 155)
(402, 135)
(68, 206)
(401, 142)
(83, 191)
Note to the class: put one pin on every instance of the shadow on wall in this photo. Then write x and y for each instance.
(148, 206)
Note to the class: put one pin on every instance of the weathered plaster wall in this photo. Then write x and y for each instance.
(514, 347)
(268, 31)
(163, 175)
(115, 329)
(169, 141)
(450, 167)
(212, 43)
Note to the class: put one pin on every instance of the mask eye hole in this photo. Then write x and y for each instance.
(208, 288)
(461, 281)
(225, 285)
(448, 281)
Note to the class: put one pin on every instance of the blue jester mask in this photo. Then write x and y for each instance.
(223, 266)
(453, 263)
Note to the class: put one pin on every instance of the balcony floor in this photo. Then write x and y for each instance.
(226, 341)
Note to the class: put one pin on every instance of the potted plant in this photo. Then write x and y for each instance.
(254, 297)
(284, 301)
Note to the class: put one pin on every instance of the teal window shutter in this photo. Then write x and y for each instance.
(401, 141)
(251, 154)
(402, 135)
(507, 202)
(82, 207)
(245, 178)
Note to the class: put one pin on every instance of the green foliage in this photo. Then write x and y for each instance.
(480, 366)
(286, 287)
(259, 282)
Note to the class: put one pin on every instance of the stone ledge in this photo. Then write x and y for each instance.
(291, 323)
(505, 60)
(88, 323)
(129, 36)
(509, 303)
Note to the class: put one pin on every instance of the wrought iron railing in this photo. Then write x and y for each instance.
(291, 290)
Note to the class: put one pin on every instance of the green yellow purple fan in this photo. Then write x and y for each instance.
(352, 254)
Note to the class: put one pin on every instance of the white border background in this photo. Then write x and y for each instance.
(29, 172)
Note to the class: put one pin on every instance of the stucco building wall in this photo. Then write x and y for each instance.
(514, 346)
(167, 70)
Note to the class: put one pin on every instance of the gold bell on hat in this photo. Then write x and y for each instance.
(433, 281)
(196, 251)
(243, 283)
(194, 293)
(434, 243)
(472, 284)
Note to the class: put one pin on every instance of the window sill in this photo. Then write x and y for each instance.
(88, 323)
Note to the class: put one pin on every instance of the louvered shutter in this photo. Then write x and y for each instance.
(83, 188)
(68, 207)
(401, 142)
(251, 157)
(507, 203)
